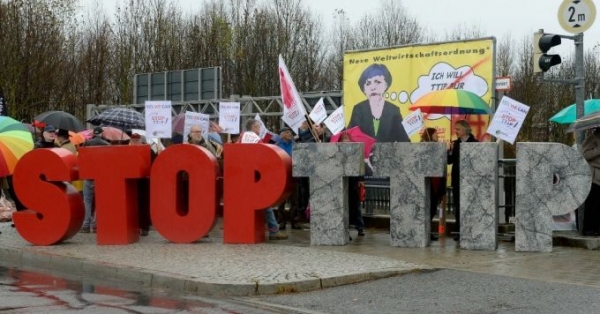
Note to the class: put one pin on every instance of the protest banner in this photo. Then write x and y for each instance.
(158, 118)
(229, 117)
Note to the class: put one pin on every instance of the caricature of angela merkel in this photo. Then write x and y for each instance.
(376, 117)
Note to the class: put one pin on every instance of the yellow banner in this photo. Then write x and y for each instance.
(379, 82)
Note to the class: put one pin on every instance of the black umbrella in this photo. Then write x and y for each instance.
(123, 118)
(60, 120)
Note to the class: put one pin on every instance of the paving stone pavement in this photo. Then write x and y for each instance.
(209, 267)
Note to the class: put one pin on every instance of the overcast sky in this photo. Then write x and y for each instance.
(514, 18)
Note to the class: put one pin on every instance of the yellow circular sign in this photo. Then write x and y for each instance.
(576, 16)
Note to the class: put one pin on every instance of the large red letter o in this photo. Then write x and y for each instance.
(168, 212)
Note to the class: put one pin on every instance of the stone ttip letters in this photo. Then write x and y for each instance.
(552, 179)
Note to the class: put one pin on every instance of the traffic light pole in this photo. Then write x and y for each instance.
(580, 85)
(578, 81)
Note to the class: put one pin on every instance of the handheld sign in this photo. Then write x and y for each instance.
(319, 113)
(195, 118)
(229, 117)
(413, 122)
(335, 121)
(158, 118)
(508, 119)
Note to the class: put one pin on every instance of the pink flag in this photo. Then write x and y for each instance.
(293, 108)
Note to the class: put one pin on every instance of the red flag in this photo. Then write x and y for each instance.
(287, 96)
(293, 108)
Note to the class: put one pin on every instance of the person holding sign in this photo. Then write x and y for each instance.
(437, 188)
(195, 137)
(374, 116)
(463, 134)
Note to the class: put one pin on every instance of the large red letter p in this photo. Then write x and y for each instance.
(257, 176)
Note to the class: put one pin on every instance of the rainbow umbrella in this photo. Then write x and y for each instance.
(451, 101)
(15, 141)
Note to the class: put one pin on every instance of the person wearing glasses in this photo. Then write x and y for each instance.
(195, 137)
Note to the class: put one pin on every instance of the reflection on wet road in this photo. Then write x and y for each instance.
(25, 291)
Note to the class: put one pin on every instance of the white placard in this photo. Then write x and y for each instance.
(195, 118)
(250, 137)
(508, 119)
(413, 122)
(263, 128)
(158, 118)
(318, 113)
(335, 121)
(229, 117)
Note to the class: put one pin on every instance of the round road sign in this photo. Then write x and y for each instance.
(576, 16)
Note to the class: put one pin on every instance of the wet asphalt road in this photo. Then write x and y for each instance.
(446, 291)
(32, 291)
(438, 291)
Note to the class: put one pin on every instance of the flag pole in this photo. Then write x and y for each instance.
(311, 128)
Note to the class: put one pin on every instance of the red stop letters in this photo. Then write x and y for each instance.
(183, 191)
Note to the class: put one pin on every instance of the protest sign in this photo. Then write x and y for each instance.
(335, 121)
(413, 122)
(195, 118)
(229, 117)
(158, 118)
(318, 113)
(508, 119)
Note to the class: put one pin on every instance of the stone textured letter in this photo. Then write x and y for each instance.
(479, 217)
(552, 179)
(407, 165)
(327, 165)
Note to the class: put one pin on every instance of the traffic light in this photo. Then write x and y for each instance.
(542, 62)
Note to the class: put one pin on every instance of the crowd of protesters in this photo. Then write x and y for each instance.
(295, 210)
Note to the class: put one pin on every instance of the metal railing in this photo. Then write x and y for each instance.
(378, 193)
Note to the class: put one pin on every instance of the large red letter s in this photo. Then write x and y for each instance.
(257, 176)
(55, 208)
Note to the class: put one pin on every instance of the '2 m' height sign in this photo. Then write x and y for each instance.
(158, 119)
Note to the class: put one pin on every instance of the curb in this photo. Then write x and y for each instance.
(134, 276)
(573, 239)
